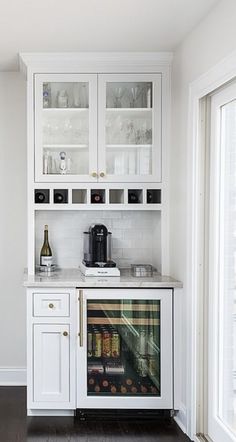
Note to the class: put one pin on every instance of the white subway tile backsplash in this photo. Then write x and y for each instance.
(136, 235)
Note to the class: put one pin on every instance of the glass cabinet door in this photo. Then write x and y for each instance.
(130, 127)
(123, 348)
(65, 127)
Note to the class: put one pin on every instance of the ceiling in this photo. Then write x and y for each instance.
(95, 25)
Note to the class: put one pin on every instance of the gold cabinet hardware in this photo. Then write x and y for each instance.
(65, 333)
(81, 314)
(50, 305)
(102, 174)
(94, 174)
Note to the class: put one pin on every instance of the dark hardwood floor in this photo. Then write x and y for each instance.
(16, 427)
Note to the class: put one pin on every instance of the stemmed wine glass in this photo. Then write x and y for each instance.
(135, 94)
(118, 93)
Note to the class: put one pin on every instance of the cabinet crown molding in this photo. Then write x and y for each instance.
(93, 61)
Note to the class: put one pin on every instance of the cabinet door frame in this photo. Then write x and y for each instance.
(39, 79)
(63, 363)
(64, 322)
(165, 401)
(156, 79)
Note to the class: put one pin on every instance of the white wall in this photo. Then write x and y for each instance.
(136, 236)
(12, 220)
(212, 40)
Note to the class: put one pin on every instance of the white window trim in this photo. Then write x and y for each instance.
(216, 77)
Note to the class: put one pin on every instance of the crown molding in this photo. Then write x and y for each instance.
(92, 61)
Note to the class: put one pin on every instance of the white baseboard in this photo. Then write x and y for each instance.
(12, 376)
(35, 412)
(181, 418)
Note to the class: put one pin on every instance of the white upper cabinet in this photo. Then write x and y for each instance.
(98, 128)
(129, 130)
(65, 127)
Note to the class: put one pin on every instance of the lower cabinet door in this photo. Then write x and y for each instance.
(51, 363)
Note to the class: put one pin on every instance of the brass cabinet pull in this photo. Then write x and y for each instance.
(102, 174)
(50, 305)
(81, 314)
(65, 333)
(94, 174)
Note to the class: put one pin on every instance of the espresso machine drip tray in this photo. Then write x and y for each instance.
(99, 270)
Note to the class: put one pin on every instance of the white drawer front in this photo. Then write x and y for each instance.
(51, 304)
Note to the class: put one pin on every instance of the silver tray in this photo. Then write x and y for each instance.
(142, 270)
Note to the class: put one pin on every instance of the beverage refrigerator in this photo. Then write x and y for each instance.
(124, 355)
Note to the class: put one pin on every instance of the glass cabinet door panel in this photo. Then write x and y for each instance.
(123, 348)
(131, 137)
(63, 127)
(129, 94)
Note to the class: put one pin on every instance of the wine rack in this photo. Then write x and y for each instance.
(93, 197)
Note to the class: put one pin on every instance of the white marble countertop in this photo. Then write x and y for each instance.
(74, 278)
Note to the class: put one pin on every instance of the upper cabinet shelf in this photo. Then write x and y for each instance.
(62, 111)
(97, 128)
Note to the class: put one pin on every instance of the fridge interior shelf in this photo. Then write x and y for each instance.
(124, 307)
(124, 321)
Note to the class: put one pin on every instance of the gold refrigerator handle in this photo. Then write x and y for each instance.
(81, 318)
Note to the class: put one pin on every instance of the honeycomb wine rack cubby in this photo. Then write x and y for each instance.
(96, 197)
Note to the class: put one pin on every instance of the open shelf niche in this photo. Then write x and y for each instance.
(83, 197)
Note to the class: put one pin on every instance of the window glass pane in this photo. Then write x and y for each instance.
(227, 313)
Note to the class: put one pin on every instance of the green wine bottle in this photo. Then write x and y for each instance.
(46, 252)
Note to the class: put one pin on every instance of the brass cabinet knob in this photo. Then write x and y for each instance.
(94, 174)
(50, 305)
(65, 333)
(102, 174)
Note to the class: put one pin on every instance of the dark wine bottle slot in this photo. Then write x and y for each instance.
(39, 197)
(58, 198)
(143, 389)
(113, 389)
(153, 390)
(96, 198)
(97, 388)
(123, 389)
(134, 389)
(105, 383)
(129, 382)
(91, 381)
(133, 198)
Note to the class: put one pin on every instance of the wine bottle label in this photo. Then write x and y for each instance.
(46, 261)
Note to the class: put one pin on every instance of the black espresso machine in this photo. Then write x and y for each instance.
(97, 252)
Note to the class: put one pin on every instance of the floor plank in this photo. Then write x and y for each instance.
(16, 427)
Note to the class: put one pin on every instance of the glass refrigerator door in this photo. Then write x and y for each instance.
(123, 348)
(63, 129)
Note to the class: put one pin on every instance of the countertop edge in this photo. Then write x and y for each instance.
(74, 279)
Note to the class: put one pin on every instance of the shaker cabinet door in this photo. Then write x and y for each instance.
(51, 360)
